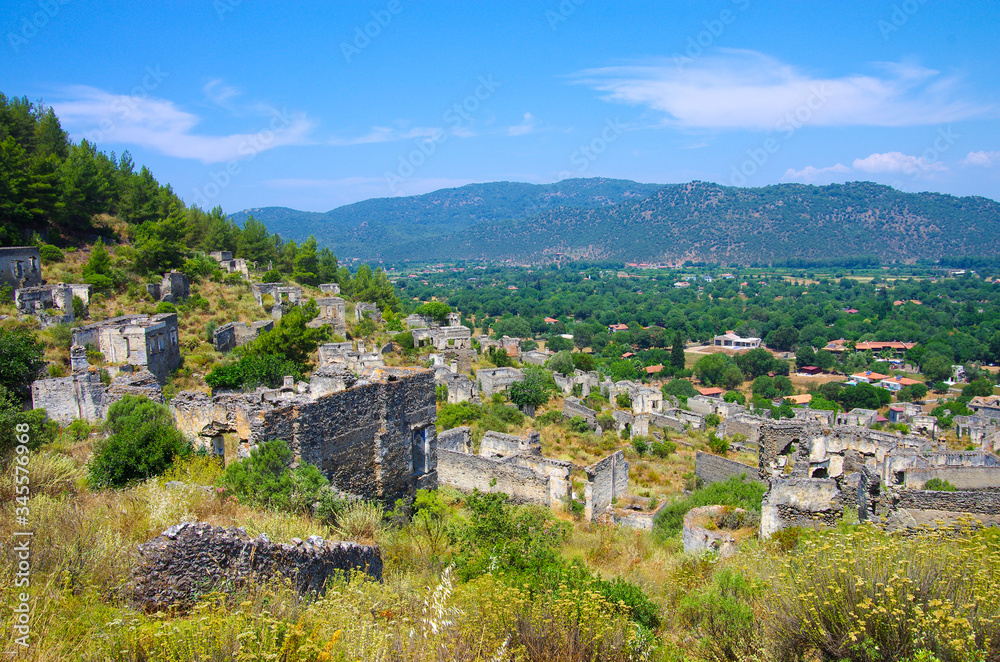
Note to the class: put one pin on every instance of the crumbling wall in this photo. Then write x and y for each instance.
(20, 266)
(744, 424)
(714, 469)
(963, 478)
(64, 399)
(495, 380)
(456, 439)
(558, 472)
(573, 407)
(189, 560)
(499, 445)
(983, 502)
(666, 421)
(803, 502)
(607, 480)
(468, 472)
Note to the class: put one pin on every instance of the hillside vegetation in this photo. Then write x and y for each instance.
(617, 220)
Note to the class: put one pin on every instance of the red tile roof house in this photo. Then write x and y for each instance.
(713, 392)
(897, 382)
(612, 328)
(550, 320)
(654, 369)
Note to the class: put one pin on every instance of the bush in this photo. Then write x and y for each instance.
(165, 307)
(265, 479)
(143, 442)
(40, 430)
(404, 339)
(50, 253)
(549, 418)
(717, 445)
(738, 492)
(579, 425)
(462, 413)
(623, 400)
(722, 617)
(254, 370)
(664, 449)
(712, 420)
(939, 485)
(22, 360)
(640, 444)
(641, 609)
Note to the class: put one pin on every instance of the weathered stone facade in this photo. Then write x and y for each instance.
(363, 310)
(282, 295)
(83, 396)
(345, 355)
(52, 304)
(332, 313)
(460, 388)
(573, 407)
(372, 436)
(498, 380)
(229, 336)
(189, 560)
(607, 480)
(230, 265)
(508, 464)
(714, 469)
(149, 341)
(20, 266)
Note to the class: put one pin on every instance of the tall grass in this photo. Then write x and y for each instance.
(738, 491)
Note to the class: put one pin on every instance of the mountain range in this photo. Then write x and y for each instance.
(611, 219)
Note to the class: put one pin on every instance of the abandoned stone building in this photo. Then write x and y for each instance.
(332, 313)
(443, 337)
(83, 396)
(230, 265)
(363, 310)
(355, 360)
(20, 266)
(817, 473)
(535, 357)
(372, 435)
(512, 346)
(460, 388)
(276, 295)
(497, 380)
(330, 288)
(588, 381)
(52, 304)
(231, 335)
(149, 341)
(173, 287)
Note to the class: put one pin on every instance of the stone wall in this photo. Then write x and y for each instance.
(607, 480)
(496, 380)
(714, 469)
(468, 472)
(20, 266)
(963, 478)
(668, 422)
(149, 341)
(987, 503)
(803, 502)
(572, 407)
(748, 426)
(499, 445)
(373, 437)
(67, 398)
(456, 439)
(189, 560)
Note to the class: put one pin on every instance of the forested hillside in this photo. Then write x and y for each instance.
(619, 220)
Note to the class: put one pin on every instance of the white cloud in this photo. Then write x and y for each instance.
(219, 93)
(527, 125)
(739, 89)
(159, 124)
(385, 134)
(811, 174)
(898, 163)
(982, 159)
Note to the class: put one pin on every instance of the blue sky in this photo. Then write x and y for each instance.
(247, 104)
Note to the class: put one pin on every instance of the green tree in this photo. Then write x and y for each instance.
(805, 356)
(436, 310)
(562, 362)
(253, 370)
(677, 352)
(936, 368)
(622, 370)
(755, 362)
(290, 338)
(532, 392)
(783, 338)
(142, 442)
(266, 479)
(21, 360)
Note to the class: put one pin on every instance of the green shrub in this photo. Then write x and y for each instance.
(253, 370)
(143, 442)
(939, 485)
(717, 445)
(606, 420)
(641, 609)
(404, 339)
(549, 418)
(50, 253)
(640, 444)
(165, 307)
(441, 393)
(664, 449)
(265, 479)
(712, 420)
(721, 616)
(623, 400)
(462, 413)
(738, 491)
(579, 424)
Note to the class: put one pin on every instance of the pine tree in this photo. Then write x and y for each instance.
(677, 352)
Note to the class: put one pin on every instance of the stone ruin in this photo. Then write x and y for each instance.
(816, 474)
(330, 288)
(449, 336)
(189, 560)
(174, 287)
(83, 396)
(332, 313)
(52, 304)
(140, 341)
(505, 463)
(20, 266)
(344, 354)
(512, 346)
(230, 265)
(497, 380)
(700, 538)
(460, 388)
(363, 310)
(282, 295)
(372, 435)
(231, 335)
(588, 381)
(607, 481)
